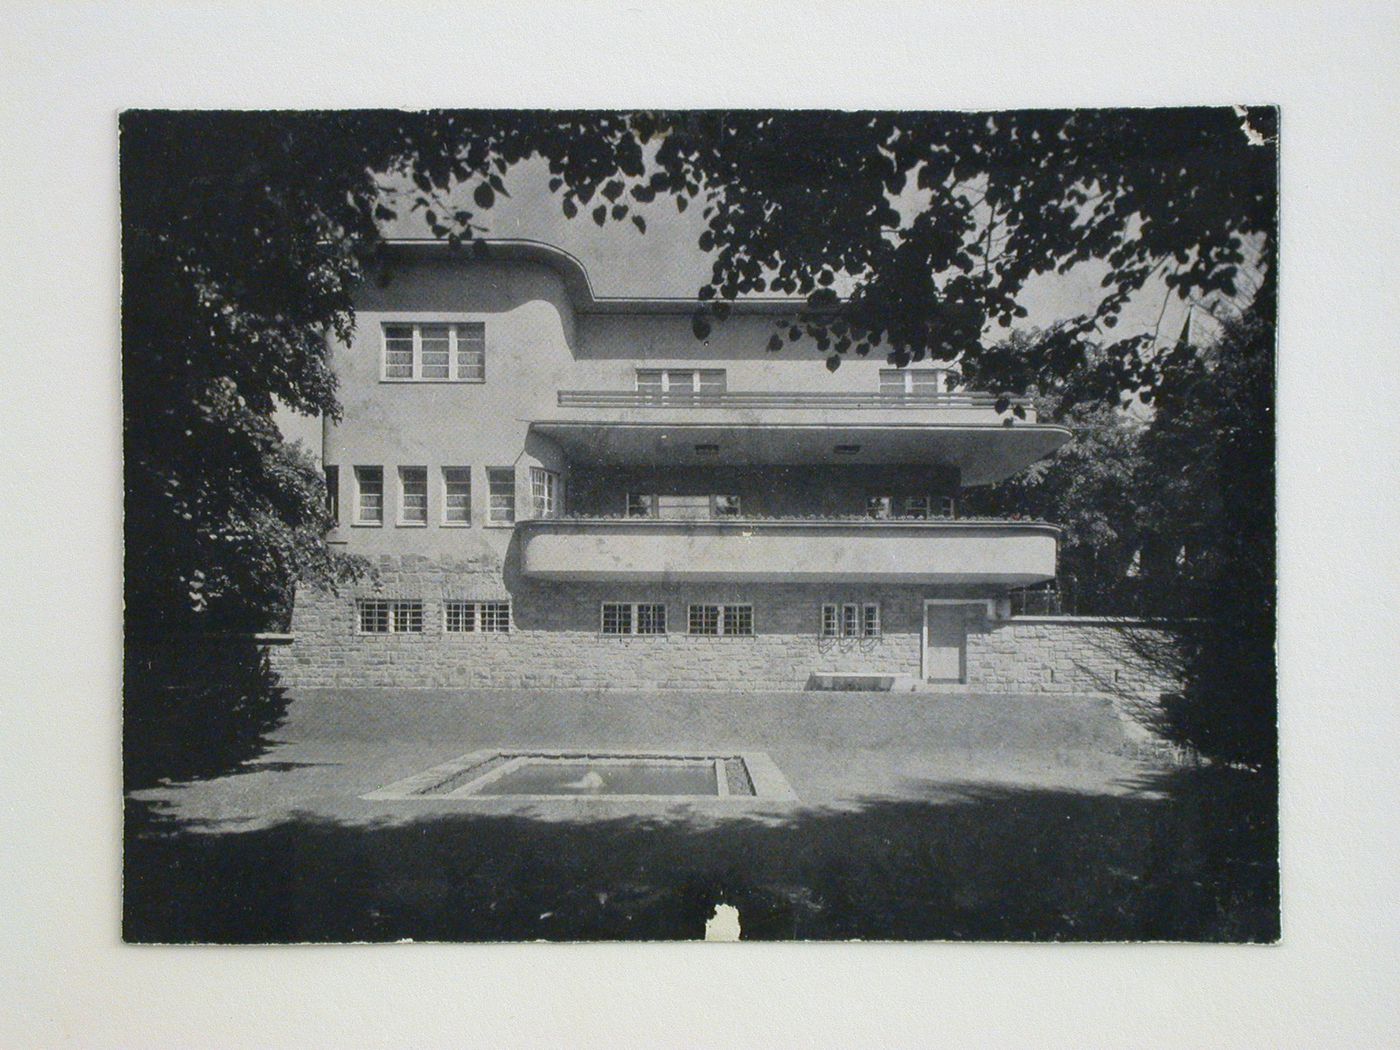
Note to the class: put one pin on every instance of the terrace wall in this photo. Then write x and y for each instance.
(554, 641)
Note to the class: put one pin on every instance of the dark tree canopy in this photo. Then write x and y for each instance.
(245, 236)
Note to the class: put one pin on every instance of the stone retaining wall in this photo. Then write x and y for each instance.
(555, 641)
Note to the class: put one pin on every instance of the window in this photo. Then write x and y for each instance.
(620, 618)
(544, 490)
(494, 617)
(831, 622)
(913, 380)
(851, 620)
(456, 495)
(413, 495)
(390, 616)
(724, 506)
(476, 617)
(947, 507)
(369, 495)
(916, 507)
(688, 508)
(435, 352)
(333, 494)
(870, 620)
(878, 507)
(726, 620)
(500, 481)
(681, 381)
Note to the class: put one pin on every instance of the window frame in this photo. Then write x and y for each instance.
(478, 615)
(858, 620)
(360, 474)
(633, 619)
(491, 519)
(671, 383)
(724, 612)
(396, 612)
(455, 351)
(906, 378)
(551, 486)
(447, 482)
(401, 520)
(651, 510)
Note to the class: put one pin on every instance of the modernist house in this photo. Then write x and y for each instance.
(563, 489)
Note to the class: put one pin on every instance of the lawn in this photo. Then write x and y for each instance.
(919, 816)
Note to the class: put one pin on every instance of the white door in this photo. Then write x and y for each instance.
(945, 643)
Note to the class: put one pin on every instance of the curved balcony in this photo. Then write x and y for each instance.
(794, 550)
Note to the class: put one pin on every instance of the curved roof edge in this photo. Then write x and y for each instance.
(575, 276)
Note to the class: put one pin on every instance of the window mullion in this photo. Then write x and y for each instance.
(417, 352)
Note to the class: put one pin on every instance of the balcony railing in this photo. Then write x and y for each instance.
(777, 399)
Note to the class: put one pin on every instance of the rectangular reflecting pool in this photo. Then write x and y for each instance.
(563, 776)
(544, 775)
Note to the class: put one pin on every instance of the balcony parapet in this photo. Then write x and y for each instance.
(737, 399)
(996, 552)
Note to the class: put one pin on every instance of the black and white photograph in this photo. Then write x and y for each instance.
(710, 524)
(801, 525)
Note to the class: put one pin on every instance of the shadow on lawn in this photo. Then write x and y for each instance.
(1196, 859)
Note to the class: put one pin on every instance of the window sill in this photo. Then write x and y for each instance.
(366, 524)
(431, 382)
(455, 524)
(499, 525)
(410, 524)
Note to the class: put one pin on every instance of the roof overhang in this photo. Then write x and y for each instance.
(575, 276)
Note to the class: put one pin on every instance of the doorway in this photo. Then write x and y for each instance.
(943, 654)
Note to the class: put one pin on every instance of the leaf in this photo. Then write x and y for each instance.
(775, 343)
(700, 325)
(833, 363)
(484, 196)
(570, 208)
(600, 214)
(640, 223)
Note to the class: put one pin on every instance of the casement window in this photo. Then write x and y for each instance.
(333, 494)
(476, 617)
(682, 508)
(879, 507)
(544, 493)
(441, 353)
(911, 507)
(413, 495)
(389, 616)
(851, 620)
(500, 483)
(681, 381)
(619, 618)
(723, 620)
(369, 495)
(913, 380)
(456, 495)
(916, 506)
(946, 507)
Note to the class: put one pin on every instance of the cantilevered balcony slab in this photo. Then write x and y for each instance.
(1008, 553)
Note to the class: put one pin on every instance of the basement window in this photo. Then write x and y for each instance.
(476, 617)
(389, 616)
(632, 618)
(851, 620)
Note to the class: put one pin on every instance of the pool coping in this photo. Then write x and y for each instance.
(769, 784)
